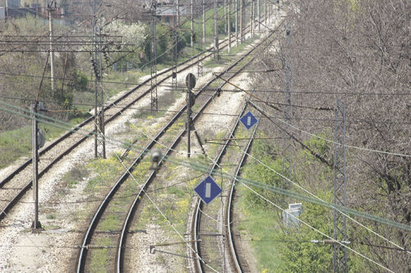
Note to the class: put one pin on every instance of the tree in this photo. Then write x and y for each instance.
(358, 50)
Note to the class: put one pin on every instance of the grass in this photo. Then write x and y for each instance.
(72, 177)
(99, 256)
(14, 144)
(260, 227)
(17, 143)
(107, 170)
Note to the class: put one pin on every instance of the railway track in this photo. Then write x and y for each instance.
(204, 227)
(91, 237)
(16, 184)
(238, 261)
(100, 211)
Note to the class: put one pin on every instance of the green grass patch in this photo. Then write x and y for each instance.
(106, 170)
(99, 256)
(17, 143)
(260, 227)
(14, 144)
(76, 174)
(110, 223)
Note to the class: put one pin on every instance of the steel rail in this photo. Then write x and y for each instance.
(23, 190)
(199, 205)
(88, 235)
(120, 255)
(114, 103)
(133, 207)
(233, 252)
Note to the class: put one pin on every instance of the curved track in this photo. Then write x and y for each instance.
(98, 215)
(90, 233)
(235, 257)
(205, 250)
(71, 140)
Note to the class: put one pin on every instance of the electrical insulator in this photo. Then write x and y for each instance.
(94, 66)
(106, 57)
(218, 92)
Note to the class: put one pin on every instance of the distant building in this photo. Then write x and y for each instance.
(15, 10)
(168, 12)
(13, 3)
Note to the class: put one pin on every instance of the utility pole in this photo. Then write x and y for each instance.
(154, 98)
(94, 66)
(252, 22)
(241, 21)
(216, 53)
(288, 112)
(99, 80)
(190, 83)
(50, 8)
(178, 13)
(96, 62)
(340, 180)
(204, 23)
(192, 23)
(258, 15)
(6, 10)
(175, 33)
(236, 22)
(174, 71)
(35, 146)
(225, 17)
(229, 26)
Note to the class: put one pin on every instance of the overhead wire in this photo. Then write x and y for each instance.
(330, 237)
(319, 231)
(317, 136)
(44, 119)
(332, 206)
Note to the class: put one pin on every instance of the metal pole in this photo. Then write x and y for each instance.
(6, 10)
(204, 24)
(50, 10)
(225, 17)
(94, 55)
(288, 113)
(236, 22)
(188, 120)
(178, 13)
(154, 97)
(252, 22)
(192, 23)
(102, 129)
(36, 224)
(258, 15)
(340, 178)
(216, 53)
(229, 26)
(241, 21)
